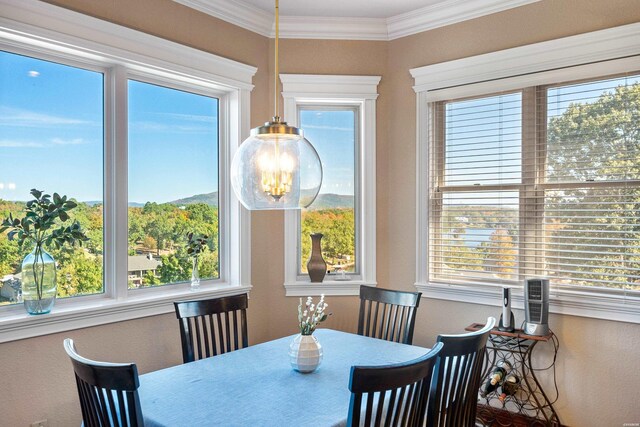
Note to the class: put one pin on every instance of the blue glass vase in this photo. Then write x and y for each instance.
(39, 281)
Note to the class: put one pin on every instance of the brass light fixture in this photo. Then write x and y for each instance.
(276, 167)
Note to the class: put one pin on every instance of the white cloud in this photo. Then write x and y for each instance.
(33, 73)
(74, 141)
(25, 118)
(334, 128)
(148, 126)
(189, 117)
(7, 143)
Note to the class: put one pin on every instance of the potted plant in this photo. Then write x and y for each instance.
(196, 244)
(42, 225)
(305, 352)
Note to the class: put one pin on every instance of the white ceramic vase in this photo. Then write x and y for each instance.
(305, 353)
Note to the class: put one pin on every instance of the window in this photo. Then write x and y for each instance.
(143, 142)
(475, 212)
(494, 221)
(333, 133)
(532, 175)
(337, 114)
(52, 140)
(591, 223)
(173, 183)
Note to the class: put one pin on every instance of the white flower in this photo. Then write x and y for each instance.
(304, 313)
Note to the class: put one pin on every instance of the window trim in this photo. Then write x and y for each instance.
(361, 92)
(53, 33)
(590, 55)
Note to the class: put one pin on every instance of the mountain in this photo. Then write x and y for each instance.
(210, 199)
(331, 201)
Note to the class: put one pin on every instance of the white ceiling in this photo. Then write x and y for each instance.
(341, 8)
(349, 19)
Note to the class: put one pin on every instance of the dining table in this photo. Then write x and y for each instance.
(256, 386)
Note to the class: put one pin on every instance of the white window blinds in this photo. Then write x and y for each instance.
(544, 181)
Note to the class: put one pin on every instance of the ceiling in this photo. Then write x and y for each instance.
(341, 8)
(349, 19)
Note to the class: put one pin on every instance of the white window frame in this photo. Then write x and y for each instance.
(585, 56)
(49, 32)
(335, 90)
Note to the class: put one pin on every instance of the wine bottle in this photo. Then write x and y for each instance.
(501, 371)
(503, 367)
(509, 386)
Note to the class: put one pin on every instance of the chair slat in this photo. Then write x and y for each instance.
(402, 383)
(454, 387)
(394, 321)
(220, 328)
(102, 390)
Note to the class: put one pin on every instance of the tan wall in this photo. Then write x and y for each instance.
(597, 367)
(592, 392)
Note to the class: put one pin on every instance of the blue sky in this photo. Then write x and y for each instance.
(51, 136)
(332, 133)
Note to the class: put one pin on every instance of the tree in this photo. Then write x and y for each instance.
(79, 273)
(597, 141)
(338, 229)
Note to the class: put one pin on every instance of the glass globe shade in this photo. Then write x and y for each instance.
(276, 171)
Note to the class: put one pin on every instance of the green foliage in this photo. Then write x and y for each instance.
(597, 141)
(338, 243)
(150, 279)
(79, 273)
(41, 224)
(80, 270)
(196, 244)
(174, 269)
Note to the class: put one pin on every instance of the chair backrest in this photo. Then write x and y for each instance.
(392, 395)
(453, 398)
(211, 327)
(108, 391)
(387, 314)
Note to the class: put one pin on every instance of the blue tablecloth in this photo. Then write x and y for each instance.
(256, 386)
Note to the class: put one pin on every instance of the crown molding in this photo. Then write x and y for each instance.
(244, 16)
(317, 27)
(341, 28)
(446, 13)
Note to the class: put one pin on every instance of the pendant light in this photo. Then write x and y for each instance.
(276, 167)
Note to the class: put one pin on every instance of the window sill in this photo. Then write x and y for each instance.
(573, 303)
(17, 325)
(327, 288)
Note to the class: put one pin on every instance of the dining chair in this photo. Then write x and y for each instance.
(453, 398)
(211, 327)
(387, 314)
(391, 395)
(108, 392)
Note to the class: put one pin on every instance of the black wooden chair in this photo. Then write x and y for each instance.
(211, 327)
(392, 395)
(108, 391)
(387, 314)
(453, 397)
